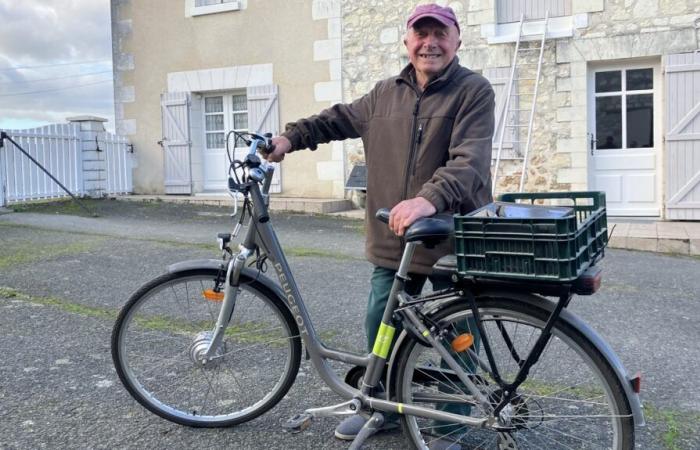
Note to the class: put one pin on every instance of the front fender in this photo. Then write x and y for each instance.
(247, 273)
(570, 319)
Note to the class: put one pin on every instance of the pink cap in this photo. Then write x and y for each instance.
(444, 15)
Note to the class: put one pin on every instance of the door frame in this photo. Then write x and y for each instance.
(630, 64)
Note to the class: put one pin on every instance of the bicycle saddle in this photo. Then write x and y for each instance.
(428, 230)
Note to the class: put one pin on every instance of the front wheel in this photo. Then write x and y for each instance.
(570, 400)
(160, 334)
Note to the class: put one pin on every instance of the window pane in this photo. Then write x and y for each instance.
(240, 103)
(640, 120)
(208, 2)
(608, 81)
(214, 104)
(640, 79)
(240, 121)
(608, 122)
(215, 140)
(240, 142)
(215, 122)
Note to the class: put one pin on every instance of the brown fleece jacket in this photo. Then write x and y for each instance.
(435, 144)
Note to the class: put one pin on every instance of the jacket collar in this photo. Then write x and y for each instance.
(408, 75)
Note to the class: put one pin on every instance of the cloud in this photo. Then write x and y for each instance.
(51, 36)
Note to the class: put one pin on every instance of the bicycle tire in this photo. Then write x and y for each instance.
(571, 398)
(160, 329)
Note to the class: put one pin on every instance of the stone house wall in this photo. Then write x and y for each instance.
(604, 31)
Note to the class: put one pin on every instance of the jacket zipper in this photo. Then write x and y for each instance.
(415, 139)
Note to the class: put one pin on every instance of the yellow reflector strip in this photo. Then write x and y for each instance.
(211, 294)
(400, 408)
(383, 342)
(426, 333)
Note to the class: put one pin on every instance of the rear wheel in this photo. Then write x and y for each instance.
(570, 400)
(160, 336)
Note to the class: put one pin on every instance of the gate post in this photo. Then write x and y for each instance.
(92, 145)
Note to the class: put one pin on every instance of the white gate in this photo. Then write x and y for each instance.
(176, 142)
(57, 148)
(118, 164)
(683, 137)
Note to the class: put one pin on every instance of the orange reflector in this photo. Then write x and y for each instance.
(462, 342)
(211, 294)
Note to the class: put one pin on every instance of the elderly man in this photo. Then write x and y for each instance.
(427, 140)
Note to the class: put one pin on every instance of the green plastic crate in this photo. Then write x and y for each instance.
(541, 249)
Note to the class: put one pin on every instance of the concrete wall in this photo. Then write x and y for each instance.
(300, 38)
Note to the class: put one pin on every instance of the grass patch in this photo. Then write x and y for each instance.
(676, 424)
(24, 252)
(63, 206)
(63, 305)
(318, 253)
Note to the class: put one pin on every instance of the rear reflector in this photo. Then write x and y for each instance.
(589, 282)
(637, 382)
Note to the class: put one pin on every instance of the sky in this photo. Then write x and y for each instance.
(55, 62)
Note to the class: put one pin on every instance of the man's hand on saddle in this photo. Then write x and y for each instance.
(280, 146)
(408, 211)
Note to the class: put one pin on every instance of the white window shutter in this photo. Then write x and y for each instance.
(175, 115)
(264, 117)
(499, 77)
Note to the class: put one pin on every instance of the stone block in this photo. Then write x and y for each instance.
(326, 9)
(563, 84)
(578, 7)
(328, 91)
(481, 17)
(694, 247)
(389, 35)
(570, 113)
(126, 127)
(579, 97)
(579, 159)
(335, 69)
(124, 61)
(643, 244)
(617, 241)
(126, 94)
(335, 28)
(327, 49)
(675, 246)
(573, 175)
(571, 145)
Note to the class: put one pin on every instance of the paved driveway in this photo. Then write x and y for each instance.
(63, 278)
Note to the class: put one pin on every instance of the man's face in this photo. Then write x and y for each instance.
(431, 46)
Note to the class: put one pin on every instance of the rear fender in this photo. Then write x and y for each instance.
(569, 318)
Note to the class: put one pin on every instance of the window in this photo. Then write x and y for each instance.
(222, 114)
(624, 109)
(511, 10)
(201, 7)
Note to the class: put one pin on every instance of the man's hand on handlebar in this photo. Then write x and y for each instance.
(279, 146)
(408, 211)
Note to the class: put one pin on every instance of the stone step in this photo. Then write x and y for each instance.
(307, 205)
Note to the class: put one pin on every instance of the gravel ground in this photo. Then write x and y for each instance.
(64, 276)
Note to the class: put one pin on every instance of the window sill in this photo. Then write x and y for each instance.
(558, 27)
(213, 9)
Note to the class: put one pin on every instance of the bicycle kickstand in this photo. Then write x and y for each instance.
(370, 427)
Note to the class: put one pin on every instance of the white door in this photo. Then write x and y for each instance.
(222, 113)
(254, 110)
(2, 172)
(176, 143)
(625, 138)
(683, 136)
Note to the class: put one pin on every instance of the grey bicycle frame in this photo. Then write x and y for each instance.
(260, 234)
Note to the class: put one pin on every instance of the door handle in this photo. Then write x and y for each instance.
(592, 142)
(161, 141)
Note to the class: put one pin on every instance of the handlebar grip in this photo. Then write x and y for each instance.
(383, 214)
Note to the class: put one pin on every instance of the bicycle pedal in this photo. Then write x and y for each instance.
(298, 423)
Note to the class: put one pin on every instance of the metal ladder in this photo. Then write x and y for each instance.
(509, 117)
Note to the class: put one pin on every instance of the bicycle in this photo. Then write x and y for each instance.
(215, 343)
